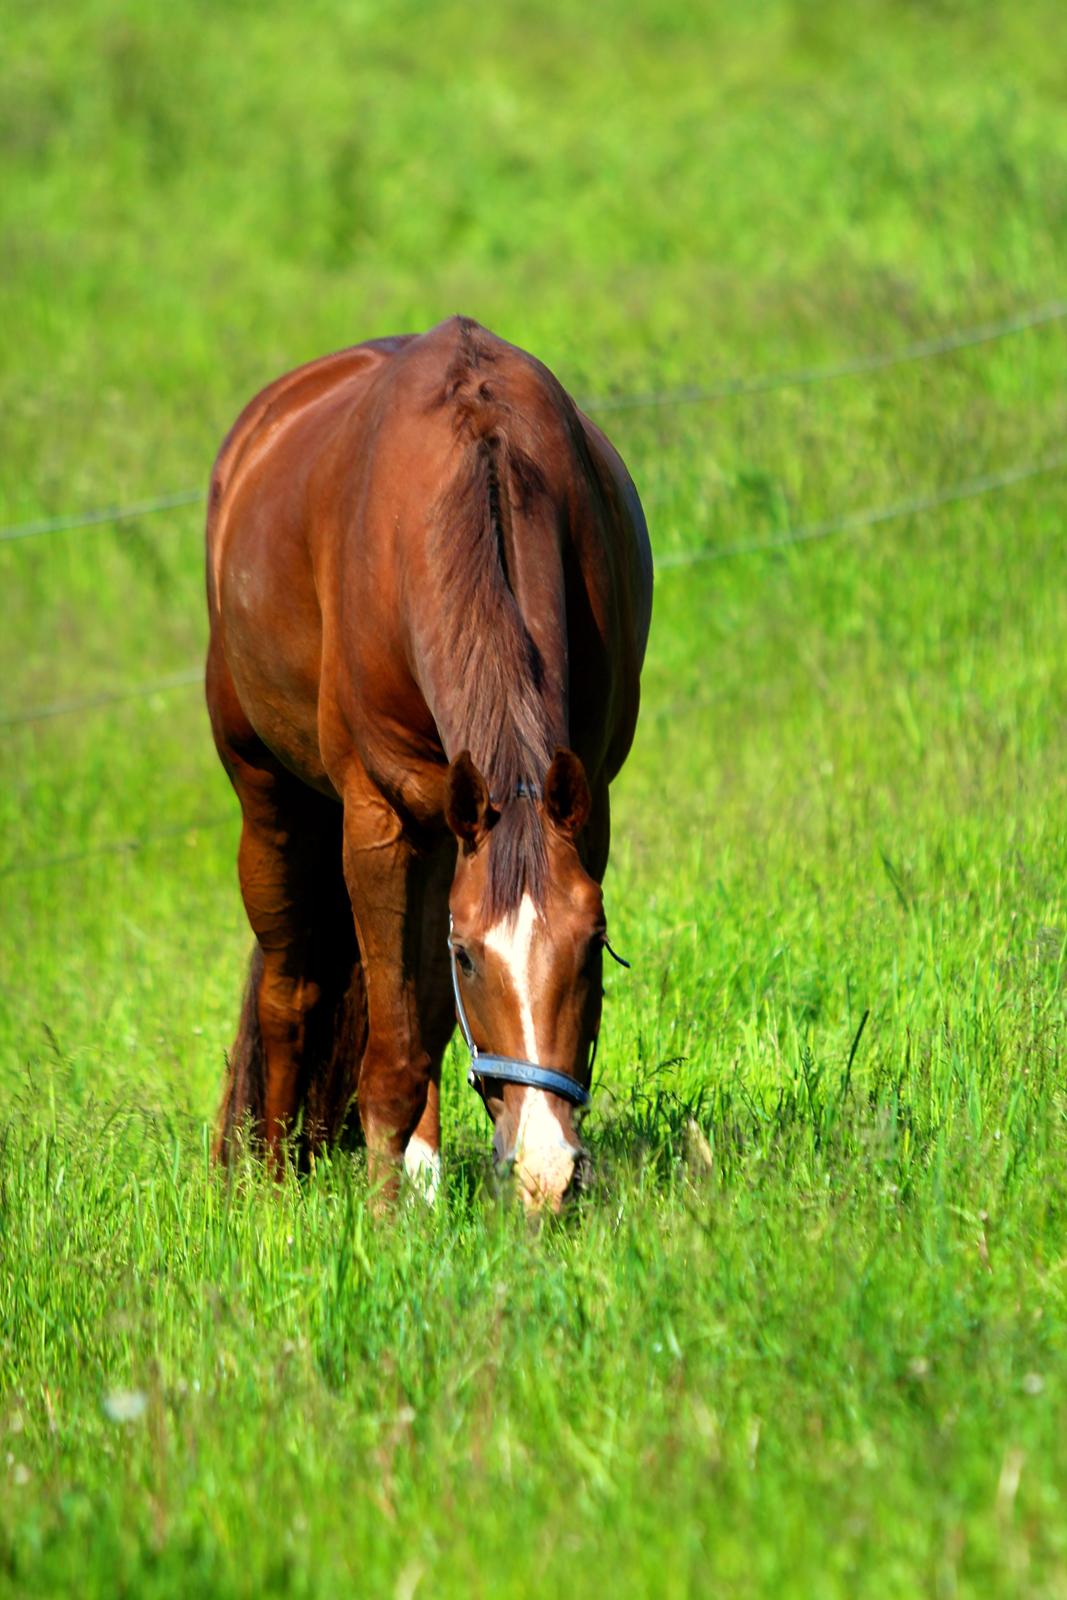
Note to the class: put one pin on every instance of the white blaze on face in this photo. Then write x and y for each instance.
(422, 1163)
(543, 1154)
(511, 941)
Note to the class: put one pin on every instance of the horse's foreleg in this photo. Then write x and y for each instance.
(437, 1018)
(387, 881)
(422, 1153)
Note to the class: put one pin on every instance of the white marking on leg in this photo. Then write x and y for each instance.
(422, 1163)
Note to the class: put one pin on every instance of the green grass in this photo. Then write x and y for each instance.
(807, 1337)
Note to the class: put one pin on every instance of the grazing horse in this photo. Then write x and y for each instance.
(429, 585)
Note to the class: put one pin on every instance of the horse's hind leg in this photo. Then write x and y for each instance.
(242, 1091)
(305, 979)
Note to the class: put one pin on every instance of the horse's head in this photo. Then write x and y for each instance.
(528, 937)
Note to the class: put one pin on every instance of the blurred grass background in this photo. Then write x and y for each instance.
(808, 1338)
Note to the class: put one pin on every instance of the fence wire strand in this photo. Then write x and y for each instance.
(89, 519)
(802, 377)
(850, 522)
(118, 847)
(918, 350)
(107, 697)
(856, 521)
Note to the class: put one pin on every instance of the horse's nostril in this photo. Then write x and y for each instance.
(582, 1176)
(501, 1155)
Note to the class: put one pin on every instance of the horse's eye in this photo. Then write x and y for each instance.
(593, 953)
(465, 963)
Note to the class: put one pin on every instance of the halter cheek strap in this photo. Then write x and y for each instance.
(506, 1069)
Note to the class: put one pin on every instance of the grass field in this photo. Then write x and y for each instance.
(807, 1337)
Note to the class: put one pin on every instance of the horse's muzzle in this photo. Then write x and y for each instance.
(546, 1179)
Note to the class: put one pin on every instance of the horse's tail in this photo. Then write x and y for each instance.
(244, 1090)
(334, 1046)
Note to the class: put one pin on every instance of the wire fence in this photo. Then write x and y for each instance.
(1020, 321)
(856, 521)
(107, 697)
(119, 847)
(856, 366)
(849, 522)
(109, 514)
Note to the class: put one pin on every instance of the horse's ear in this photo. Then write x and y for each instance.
(566, 793)
(467, 808)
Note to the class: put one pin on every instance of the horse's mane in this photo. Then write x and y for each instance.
(494, 668)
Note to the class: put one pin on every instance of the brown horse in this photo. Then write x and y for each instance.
(429, 584)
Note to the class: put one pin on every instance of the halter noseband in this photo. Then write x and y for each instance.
(507, 1069)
